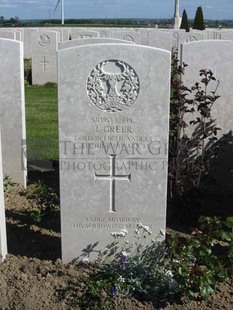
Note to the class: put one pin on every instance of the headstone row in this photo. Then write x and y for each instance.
(41, 44)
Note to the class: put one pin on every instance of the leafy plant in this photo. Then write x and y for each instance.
(126, 269)
(44, 196)
(138, 268)
(8, 183)
(28, 71)
(37, 216)
(196, 268)
(193, 131)
(221, 230)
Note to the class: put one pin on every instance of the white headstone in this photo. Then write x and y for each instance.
(28, 41)
(64, 33)
(160, 39)
(113, 131)
(12, 33)
(12, 110)
(7, 34)
(78, 42)
(83, 34)
(226, 35)
(104, 32)
(127, 35)
(44, 64)
(3, 242)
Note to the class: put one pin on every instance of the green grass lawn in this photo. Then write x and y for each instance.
(42, 122)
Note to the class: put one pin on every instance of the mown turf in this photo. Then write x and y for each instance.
(42, 122)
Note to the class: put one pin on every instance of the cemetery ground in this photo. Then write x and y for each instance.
(33, 276)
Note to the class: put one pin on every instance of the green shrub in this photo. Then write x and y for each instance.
(196, 268)
(185, 22)
(190, 154)
(199, 23)
(28, 71)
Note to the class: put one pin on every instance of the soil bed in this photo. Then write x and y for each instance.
(33, 276)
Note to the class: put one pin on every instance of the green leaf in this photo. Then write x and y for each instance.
(206, 290)
(228, 222)
(227, 236)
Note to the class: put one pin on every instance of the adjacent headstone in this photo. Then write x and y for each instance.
(175, 40)
(64, 33)
(192, 36)
(28, 41)
(3, 242)
(78, 42)
(226, 35)
(104, 32)
(12, 110)
(211, 34)
(215, 55)
(160, 39)
(113, 131)
(12, 33)
(7, 34)
(83, 34)
(127, 35)
(44, 65)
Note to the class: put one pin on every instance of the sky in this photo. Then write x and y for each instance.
(43, 9)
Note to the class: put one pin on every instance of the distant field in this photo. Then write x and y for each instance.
(42, 122)
(101, 25)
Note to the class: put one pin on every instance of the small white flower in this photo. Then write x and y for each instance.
(119, 234)
(121, 279)
(85, 260)
(169, 273)
(124, 253)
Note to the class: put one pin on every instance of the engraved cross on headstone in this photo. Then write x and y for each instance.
(112, 177)
(44, 63)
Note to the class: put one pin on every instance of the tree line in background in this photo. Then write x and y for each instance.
(198, 22)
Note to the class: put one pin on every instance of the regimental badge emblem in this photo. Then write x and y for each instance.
(113, 86)
(44, 40)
